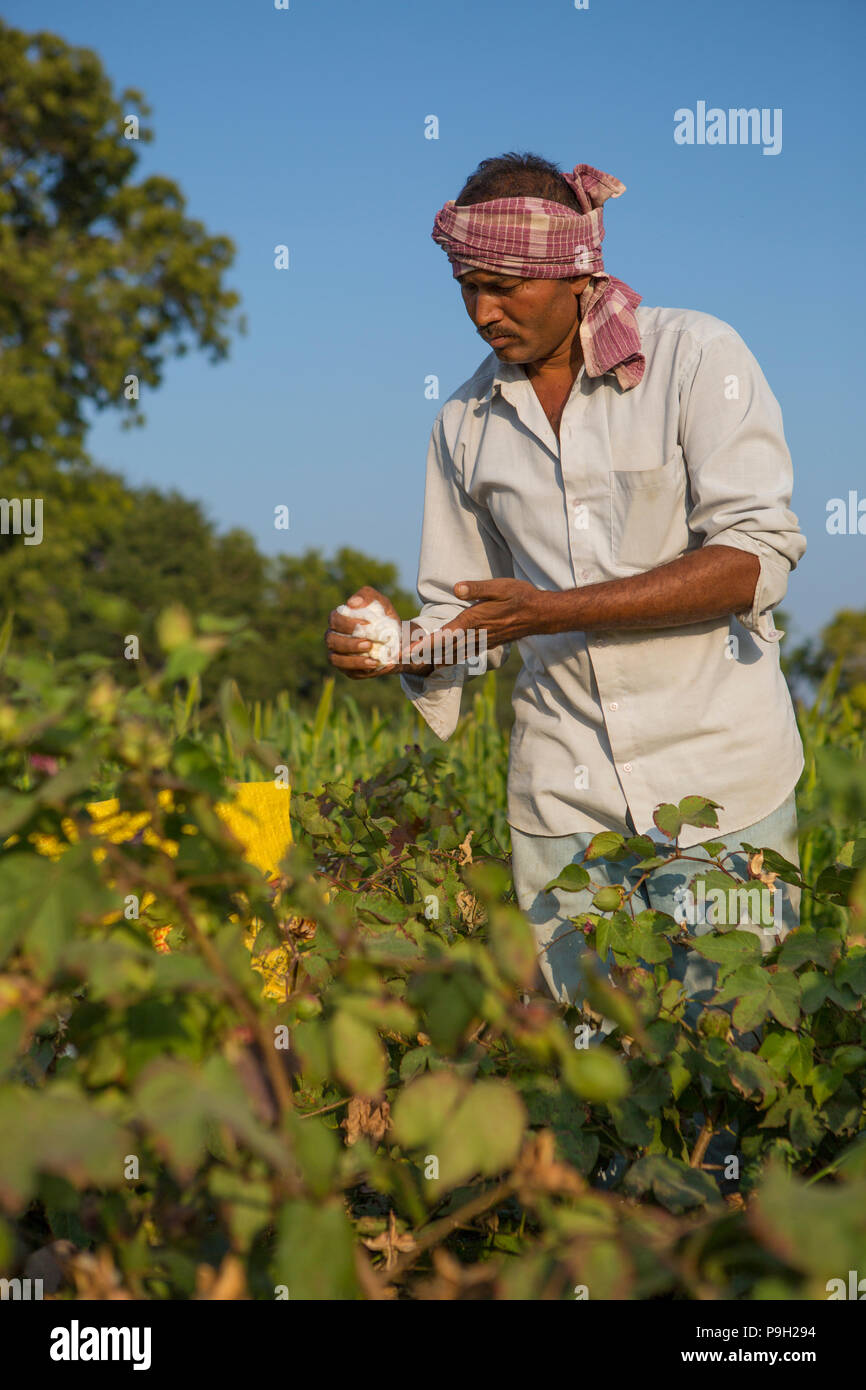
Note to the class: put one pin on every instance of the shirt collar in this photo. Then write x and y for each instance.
(509, 378)
(505, 376)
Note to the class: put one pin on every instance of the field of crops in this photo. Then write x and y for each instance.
(336, 742)
(331, 1076)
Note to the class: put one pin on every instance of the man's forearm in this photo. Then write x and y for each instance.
(705, 583)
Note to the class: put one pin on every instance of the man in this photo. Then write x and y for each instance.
(611, 491)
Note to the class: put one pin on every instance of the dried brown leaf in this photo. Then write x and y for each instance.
(538, 1170)
(366, 1118)
(464, 849)
(391, 1242)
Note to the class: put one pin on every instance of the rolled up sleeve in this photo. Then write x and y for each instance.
(459, 540)
(739, 469)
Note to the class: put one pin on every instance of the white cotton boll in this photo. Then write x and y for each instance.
(380, 629)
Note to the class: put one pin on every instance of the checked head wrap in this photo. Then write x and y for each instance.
(535, 238)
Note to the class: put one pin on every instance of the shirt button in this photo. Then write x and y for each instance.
(626, 767)
(613, 705)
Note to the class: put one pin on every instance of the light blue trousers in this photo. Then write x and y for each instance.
(536, 859)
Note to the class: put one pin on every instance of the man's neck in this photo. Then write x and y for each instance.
(561, 366)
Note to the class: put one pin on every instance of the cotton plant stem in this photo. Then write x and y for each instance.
(705, 1136)
(438, 1230)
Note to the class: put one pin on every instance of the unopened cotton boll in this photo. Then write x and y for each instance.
(382, 631)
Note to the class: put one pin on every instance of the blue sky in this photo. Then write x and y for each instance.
(306, 127)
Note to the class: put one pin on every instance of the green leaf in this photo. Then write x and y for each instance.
(844, 1109)
(450, 1002)
(422, 1109)
(246, 1203)
(779, 1049)
(668, 819)
(804, 1126)
(814, 989)
(469, 1129)
(607, 844)
(758, 992)
(602, 996)
(776, 863)
(512, 944)
(382, 907)
(835, 883)
(849, 1058)
(751, 1073)
(595, 1074)
(57, 1131)
(359, 1057)
(44, 901)
(631, 1123)
(315, 1255)
(714, 847)
(570, 879)
(11, 1034)
(180, 1104)
(805, 943)
(731, 949)
(675, 1185)
(851, 972)
(698, 810)
(386, 1015)
(641, 845)
(650, 946)
(852, 854)
(305, 810)
(488, 881)
(824, 1080)
(317, 1150)
(552, 1107)
(818, 1229)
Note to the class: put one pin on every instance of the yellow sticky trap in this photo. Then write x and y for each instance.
(258, 818)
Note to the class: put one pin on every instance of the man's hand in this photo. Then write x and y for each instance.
(351, 654)
(506, 609)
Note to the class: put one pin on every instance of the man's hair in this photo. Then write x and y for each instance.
(517, 176)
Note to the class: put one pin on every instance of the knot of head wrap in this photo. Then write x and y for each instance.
(535, 238)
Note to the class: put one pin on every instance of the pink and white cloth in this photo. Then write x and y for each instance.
(535, 238)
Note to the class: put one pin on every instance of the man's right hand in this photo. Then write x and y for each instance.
(351, 654)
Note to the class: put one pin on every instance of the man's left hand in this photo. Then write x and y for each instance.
(507, 609)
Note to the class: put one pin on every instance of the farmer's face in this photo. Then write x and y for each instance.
(538, 318)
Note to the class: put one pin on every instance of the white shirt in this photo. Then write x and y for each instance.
(614, 720)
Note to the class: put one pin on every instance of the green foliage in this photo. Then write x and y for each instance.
(331, 1076)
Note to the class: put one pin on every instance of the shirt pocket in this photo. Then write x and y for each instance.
(648, 524)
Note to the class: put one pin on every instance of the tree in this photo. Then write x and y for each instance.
(843, 639)
(101, 276)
